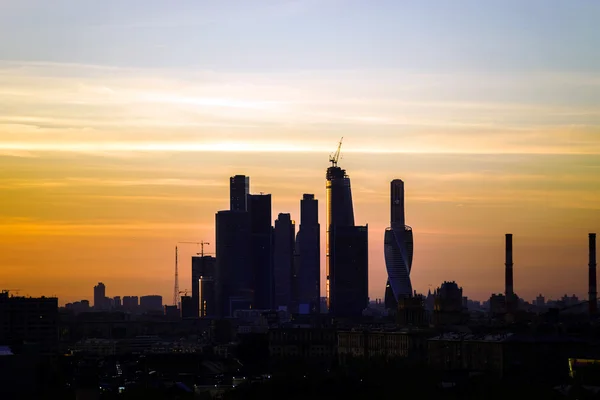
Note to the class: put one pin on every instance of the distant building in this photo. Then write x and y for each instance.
(350, 250)
(239, 187)
(448, 308)
(411, 312)
(497, 305)
(172, 313)
(130, 303)
(100, 301)
(398, 248)
(410, 344)
(187, 307)
(117, 302)
(308, 253)
(151, 303)
(303, 344)
(234, 275)
(283, 260)
(259, 207)
(203, 285)
(29, 320)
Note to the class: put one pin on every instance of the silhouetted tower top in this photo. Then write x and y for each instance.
(239, 188)
(397, 203)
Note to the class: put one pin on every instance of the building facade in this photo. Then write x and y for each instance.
(308, 257)
(239, 188)
(350, 283)
(29, 320)
(398, 249)
(234, 277)
(203, 292)
(259, 207)
(283, 260)
(339, 212)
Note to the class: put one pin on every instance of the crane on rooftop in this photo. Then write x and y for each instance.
(334, 158)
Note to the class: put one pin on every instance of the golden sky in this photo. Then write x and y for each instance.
(119, 131)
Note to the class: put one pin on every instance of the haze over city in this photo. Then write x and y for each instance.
(121, 123)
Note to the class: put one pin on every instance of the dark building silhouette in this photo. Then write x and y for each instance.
(593, 299)
(339, 212)
(512, 301)
(203, 282)
(28, 320)
(239, 187)
(117, 302)
(283, 260)
(448, 308)
(187, 307)
(411, 311)
(100, 300)
(151, 303)
(130, 303)
(350, 283)
(308, 257)
(259, 207)
(234, 276)
(398, 249)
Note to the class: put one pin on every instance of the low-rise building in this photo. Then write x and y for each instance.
(303, 343)
(409, 344)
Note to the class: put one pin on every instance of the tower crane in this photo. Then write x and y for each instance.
(334, 158)
(176, 291)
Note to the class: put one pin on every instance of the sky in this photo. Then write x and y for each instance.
(121, 122)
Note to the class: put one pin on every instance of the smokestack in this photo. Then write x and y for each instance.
(508, 284)
(593, 303)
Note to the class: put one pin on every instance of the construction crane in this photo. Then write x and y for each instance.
(176, 291)
(334, 158)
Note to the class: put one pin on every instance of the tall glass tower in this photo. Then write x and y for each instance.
(398, 248)
(308, 252)
(340, 212)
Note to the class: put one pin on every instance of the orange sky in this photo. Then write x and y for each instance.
(70, 220)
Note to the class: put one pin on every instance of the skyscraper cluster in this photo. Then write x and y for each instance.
(261, 265)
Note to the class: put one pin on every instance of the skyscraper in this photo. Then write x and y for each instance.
(340, 212)
(203, 278)
(283, 260)
(234, 269)
(100, 297)
(308, 252)
(347, 248)
(239, 187)
(259, 207)
(350, 284)
(398, 249)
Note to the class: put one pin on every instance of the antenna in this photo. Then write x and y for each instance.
(334, 158)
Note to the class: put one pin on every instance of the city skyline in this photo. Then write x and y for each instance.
(121, 125)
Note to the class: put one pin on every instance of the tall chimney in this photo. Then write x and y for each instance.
(593, 303)
(508, 283)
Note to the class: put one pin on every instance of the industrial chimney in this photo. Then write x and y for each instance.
(593, 303)
(508, 286)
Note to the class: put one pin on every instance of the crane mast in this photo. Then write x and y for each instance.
(176, 292)
(334, 158)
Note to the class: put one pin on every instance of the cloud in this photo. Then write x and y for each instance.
(53, 107)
